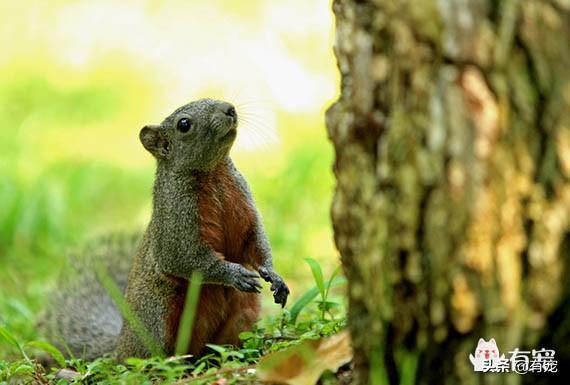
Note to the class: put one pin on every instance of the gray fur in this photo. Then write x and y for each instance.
(80, 315)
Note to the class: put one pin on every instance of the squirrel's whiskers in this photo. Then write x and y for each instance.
(257, 127)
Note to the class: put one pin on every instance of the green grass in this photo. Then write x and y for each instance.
(237, 365)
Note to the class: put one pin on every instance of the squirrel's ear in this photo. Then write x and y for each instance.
(154, 141)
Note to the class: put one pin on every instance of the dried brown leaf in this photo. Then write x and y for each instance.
(303, 364)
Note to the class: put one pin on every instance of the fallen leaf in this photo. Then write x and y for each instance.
(303, 364)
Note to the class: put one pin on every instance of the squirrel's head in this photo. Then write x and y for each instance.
(197, 136)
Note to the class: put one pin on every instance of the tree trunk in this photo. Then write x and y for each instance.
(452, 204)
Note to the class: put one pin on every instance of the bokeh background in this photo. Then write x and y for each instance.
(78, 79)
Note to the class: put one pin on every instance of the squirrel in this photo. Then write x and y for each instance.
(203, 219)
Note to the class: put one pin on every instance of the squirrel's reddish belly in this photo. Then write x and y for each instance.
(226, 218)
(223, 313)
(226, 223)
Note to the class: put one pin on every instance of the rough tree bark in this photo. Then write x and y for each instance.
(452, 205)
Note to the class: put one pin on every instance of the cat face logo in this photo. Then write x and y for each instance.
(486, 355)
(487, 359)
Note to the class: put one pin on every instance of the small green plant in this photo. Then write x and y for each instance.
(309, 296)
(325, 305)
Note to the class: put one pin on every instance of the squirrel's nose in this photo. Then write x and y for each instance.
(231, 112)
(228, 110)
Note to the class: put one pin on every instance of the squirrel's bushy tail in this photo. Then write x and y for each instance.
(80, 317)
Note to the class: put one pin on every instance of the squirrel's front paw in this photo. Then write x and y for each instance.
(278, 286)
(280, 292)
(245, 280)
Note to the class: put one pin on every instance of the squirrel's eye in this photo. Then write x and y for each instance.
(183, 125)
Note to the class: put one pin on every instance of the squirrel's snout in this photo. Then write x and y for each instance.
(228, 114)
(231, 112)
(228, 110)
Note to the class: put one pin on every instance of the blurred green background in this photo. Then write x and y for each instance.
(78, 79)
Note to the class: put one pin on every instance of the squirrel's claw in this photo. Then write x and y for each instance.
(247, 280)
(278, 287)
(249, 285)
(264, 273)
(280, 292)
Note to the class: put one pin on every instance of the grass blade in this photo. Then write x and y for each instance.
(8, 337)
(51, 350)
(189, 314)
(303, 301)
(127, 312)
(318, 275)
(333, 275)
